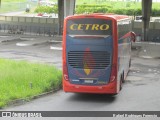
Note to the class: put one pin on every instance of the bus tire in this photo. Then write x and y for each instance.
(121, 82)
(129, 63)
(122, 77)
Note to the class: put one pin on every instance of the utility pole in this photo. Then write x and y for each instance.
(146, 13)
(65, 8)
(60, 15)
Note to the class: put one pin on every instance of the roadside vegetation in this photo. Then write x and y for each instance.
(15, 5)
(46, 9)
(109, 6)
(83, 6)
(23, 80)
(3, 1)
(105, 6)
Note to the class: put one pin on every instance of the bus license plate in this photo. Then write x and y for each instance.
(88, 81)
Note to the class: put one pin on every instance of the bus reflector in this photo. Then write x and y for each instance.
(113, 73)
(66, 77)
(65, 73)
(112, 78)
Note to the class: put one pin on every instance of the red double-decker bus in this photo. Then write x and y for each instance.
(96, 53)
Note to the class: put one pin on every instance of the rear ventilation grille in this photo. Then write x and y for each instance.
(89, 59)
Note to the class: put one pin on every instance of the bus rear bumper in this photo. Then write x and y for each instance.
(110, 88)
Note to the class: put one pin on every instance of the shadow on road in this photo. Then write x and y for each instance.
(105, 98)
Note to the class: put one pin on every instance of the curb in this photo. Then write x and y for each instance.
(22, 44)
(9, 38)
(55, 41)
(23, 101)
(55, 48)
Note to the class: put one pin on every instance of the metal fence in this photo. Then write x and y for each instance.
(28, 25)
(27, 30)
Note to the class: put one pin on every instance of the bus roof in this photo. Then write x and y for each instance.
(110, 15)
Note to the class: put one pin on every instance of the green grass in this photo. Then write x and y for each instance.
(15, 5)
(22, 80)
(13, 1)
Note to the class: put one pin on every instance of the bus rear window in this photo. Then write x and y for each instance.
(89, 26)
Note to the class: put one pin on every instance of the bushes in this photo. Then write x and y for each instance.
(128, 9)
(155, 12)
(80, 9)
(92, 8)
(46, 9)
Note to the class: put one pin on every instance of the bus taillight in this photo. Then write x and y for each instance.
(113, 73)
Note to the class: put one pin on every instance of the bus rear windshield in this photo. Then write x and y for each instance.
(89, 26)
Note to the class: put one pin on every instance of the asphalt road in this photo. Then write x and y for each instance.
(141, 90)
(34, 53)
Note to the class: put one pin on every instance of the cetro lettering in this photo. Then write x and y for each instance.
(89, 27)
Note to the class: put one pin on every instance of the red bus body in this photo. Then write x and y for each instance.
(96, 53)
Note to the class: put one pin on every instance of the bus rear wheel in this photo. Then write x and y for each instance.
(121, 82)
(129, 63)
